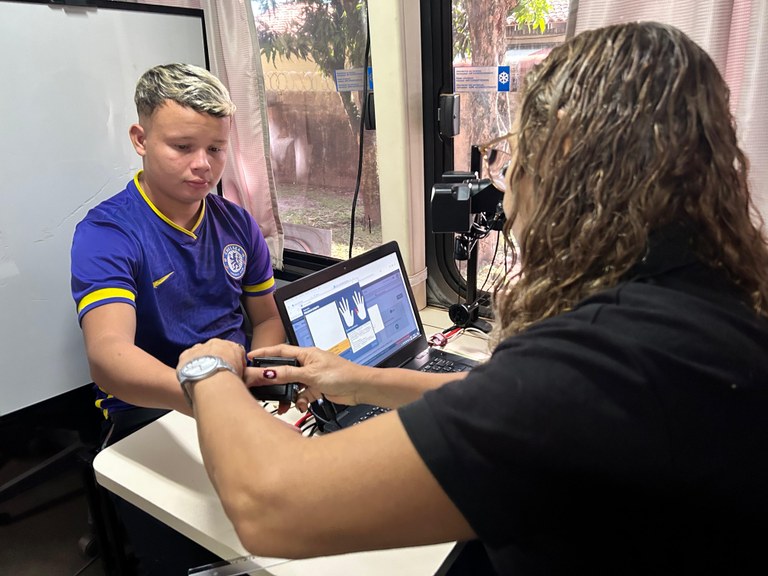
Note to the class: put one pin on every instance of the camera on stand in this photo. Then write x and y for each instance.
(471, 208)
(461, 196)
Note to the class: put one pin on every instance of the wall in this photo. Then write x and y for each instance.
(67, 103)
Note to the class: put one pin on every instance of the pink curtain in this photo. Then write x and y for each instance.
(735, 34)
(233, 50)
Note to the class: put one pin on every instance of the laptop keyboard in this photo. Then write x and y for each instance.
(370, 413)
(350, 415)
(443, 365)
(346, 416)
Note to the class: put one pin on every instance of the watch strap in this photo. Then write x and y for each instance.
(187, 382)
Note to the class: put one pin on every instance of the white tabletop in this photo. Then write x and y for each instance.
(470, 343)
(160, 470)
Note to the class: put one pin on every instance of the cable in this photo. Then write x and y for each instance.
(329, 415)
(311, 427)
(490, 266)
(301, 421)
(479, 333)
(363, 107)
(440, 339)
(332, 406)
(87, 564)
(451, 333)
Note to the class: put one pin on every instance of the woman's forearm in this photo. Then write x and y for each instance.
(395, 387)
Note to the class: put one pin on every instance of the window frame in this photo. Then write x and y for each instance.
(446, 284)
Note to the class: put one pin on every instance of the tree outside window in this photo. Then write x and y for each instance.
(315, 128)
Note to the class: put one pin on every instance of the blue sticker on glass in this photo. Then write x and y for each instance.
(503, 79)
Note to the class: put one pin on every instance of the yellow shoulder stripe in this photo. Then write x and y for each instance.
(266, 285)
(103, 294)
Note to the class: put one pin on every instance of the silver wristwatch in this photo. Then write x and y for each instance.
(199, 369)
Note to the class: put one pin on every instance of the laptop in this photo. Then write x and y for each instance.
(363, 310)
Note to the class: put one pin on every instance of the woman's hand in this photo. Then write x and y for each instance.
(321, 373)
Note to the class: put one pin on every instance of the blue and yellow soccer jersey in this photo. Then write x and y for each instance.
(186, 286)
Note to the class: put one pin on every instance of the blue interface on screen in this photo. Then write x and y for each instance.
(363, 315)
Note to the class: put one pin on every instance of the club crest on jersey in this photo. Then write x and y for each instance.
(234, 259)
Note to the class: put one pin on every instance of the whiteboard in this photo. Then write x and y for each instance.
(66, 103)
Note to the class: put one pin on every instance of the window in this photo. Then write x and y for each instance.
(487, 38)
(511, 41)
(314, 124)
(479, 33)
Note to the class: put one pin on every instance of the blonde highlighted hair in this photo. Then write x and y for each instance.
(185, 84)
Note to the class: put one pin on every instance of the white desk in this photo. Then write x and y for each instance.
(468, 344)
(159, 469)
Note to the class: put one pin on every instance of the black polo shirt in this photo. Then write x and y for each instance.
(627, 436)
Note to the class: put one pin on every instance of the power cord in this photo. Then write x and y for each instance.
(309, 429)
(440, 339)
(363, 112)
(493, 260)
(329, 415)
(301, 421)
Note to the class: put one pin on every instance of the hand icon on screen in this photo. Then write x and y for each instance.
(362, 313)
(346, 312)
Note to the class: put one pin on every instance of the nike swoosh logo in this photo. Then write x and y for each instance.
(159, 281)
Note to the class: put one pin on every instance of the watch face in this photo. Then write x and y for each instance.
(199, 366)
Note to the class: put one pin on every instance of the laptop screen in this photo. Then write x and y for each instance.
(361, 309)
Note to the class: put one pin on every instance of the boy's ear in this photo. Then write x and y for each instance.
(138, 135)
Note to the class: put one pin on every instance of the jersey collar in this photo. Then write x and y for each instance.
(162, 216)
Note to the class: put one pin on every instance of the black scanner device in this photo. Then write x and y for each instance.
(283, 393)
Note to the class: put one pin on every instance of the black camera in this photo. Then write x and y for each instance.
(470, 208)
(277, 392)
(461, 195)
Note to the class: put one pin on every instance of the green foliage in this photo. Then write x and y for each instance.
(461, 44)
(330, 32)
(532, 13)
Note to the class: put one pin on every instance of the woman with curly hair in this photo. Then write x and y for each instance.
(620, 424)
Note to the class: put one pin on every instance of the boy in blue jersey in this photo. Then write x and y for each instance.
(166, 263)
